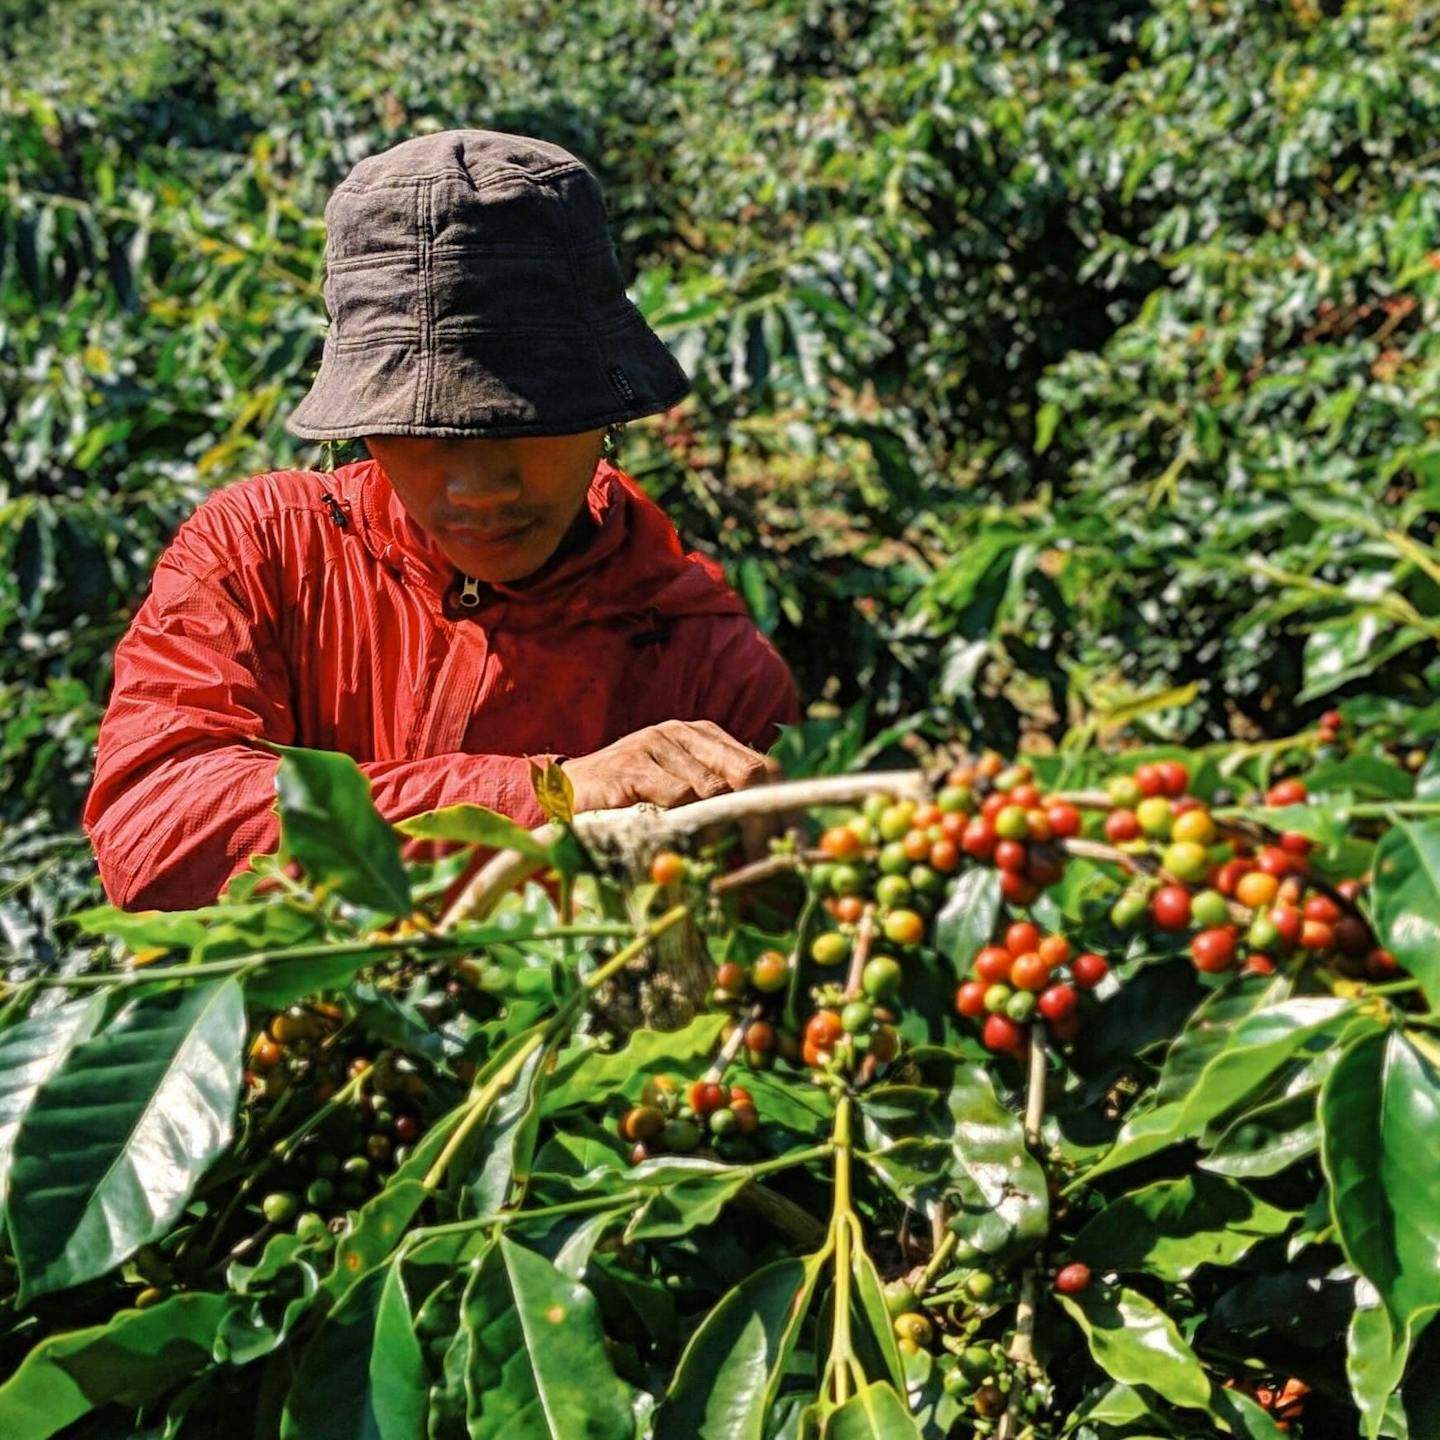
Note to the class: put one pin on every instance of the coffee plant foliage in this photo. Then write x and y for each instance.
(1063, 372)
(1129, 1129)
(1046, 356)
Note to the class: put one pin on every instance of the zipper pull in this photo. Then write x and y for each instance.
(470, 592)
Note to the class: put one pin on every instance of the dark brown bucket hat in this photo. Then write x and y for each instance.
(473, 290)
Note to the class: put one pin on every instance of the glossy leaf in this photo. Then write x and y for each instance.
(472, 825)
(1002, 1201)
(1171, 1228)
(1136, 1343)
(397, 1376)
(330, 1397)
(30, 1053)
(584, 1070)
(538, 1369)
(111, 1147)
(1380, 1113)
(683, 1205)
(329, 824)
(1407, 899)
(497, 1155)
(727, 1378)
(875, 1413)
(135, 1356)
(1375, 1356)
(967, 919)
(1268, 1139)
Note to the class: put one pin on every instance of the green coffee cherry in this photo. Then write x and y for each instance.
(279, 1207)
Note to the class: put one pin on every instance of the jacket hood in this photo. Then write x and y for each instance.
(632, 566)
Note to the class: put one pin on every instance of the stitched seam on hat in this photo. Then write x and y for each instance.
(425, 177)
(427, 236)
(600, 355)
(397, 259)
(377, 342)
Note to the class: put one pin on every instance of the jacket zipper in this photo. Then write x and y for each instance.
(470, 592)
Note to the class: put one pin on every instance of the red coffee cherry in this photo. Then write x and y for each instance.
(1073, 1278)
(1088, 970)
(1214, 949)
(1170, 907)
(1058, 1001)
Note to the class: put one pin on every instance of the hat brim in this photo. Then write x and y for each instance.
(553, 381)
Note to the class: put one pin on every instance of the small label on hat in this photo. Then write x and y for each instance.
(617, 378)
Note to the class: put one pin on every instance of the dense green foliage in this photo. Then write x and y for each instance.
(1046, 355)
(336, 1159)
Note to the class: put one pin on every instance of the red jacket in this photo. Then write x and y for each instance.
(309, 609)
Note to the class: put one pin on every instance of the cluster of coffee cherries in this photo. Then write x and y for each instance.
(346, 1158)
(1011, 824)
(672, 1119)
(1245, 903)
(1025, 976)
(855, 1034)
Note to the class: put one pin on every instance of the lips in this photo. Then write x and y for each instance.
(488, 537)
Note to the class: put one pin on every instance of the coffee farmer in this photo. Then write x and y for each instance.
(489, 588)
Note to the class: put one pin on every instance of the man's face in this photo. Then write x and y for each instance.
(497, 508)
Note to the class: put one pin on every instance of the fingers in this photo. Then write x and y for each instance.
(738, 765)
(681, 764)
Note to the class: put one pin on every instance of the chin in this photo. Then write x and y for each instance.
(501, 565)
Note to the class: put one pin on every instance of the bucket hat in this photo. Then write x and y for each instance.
(473, 289)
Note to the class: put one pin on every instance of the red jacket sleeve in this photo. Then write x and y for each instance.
(183, 795)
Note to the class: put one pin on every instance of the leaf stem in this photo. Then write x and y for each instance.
(1022, 1347)
(454, 943)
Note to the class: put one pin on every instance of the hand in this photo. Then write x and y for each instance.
(668, 764)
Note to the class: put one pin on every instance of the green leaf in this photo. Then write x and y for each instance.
(30, 1053)
(869, 1302)
(1136, 1343)
(473, 825)
(1375, 1356)
(967, 919)
(1269, 1138)
(329, 824)
(113, 1144)
(727, 1378)
(686, 1204)
(497, 1154)
(330, 1397)
(1407, 899)
(398, 1381)
(1171, 1228)
(134, 1357)
(874, 1413)
(538, 1368)
(585, 1071)
(1380, 1146)
(1002, 1201)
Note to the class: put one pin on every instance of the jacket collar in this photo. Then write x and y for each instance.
(633, 563)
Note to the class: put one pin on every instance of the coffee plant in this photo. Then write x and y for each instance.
(1088, 1095)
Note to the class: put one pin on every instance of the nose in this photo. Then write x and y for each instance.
(480, 488)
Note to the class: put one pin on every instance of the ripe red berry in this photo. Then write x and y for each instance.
(1258, 963)
(1072, 1279)
(1026, 796)
(1012, 856)
(667, 867)
(1333, 720)
(1058, 1001)
(1149, 779)
(1316, 935)
(705, 1096)
(1322, 908)
(1088, 970)
(1381, 964)
(979, 839)
(1018, 889)
(1170, 907)
(1030, 972)
(993, 964)
(1286, 792)
(840, 842)
(1287, 921)
(1064, 819)
(1121, 825)
(823, 1029)
(993, 804)
(1294, 843)
(1053, 950)
(1227, 877)
(1214, 949)
(760, 1036)
(1174, 777)
(1022, 937)
(1000, 1033)
(970, 999)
